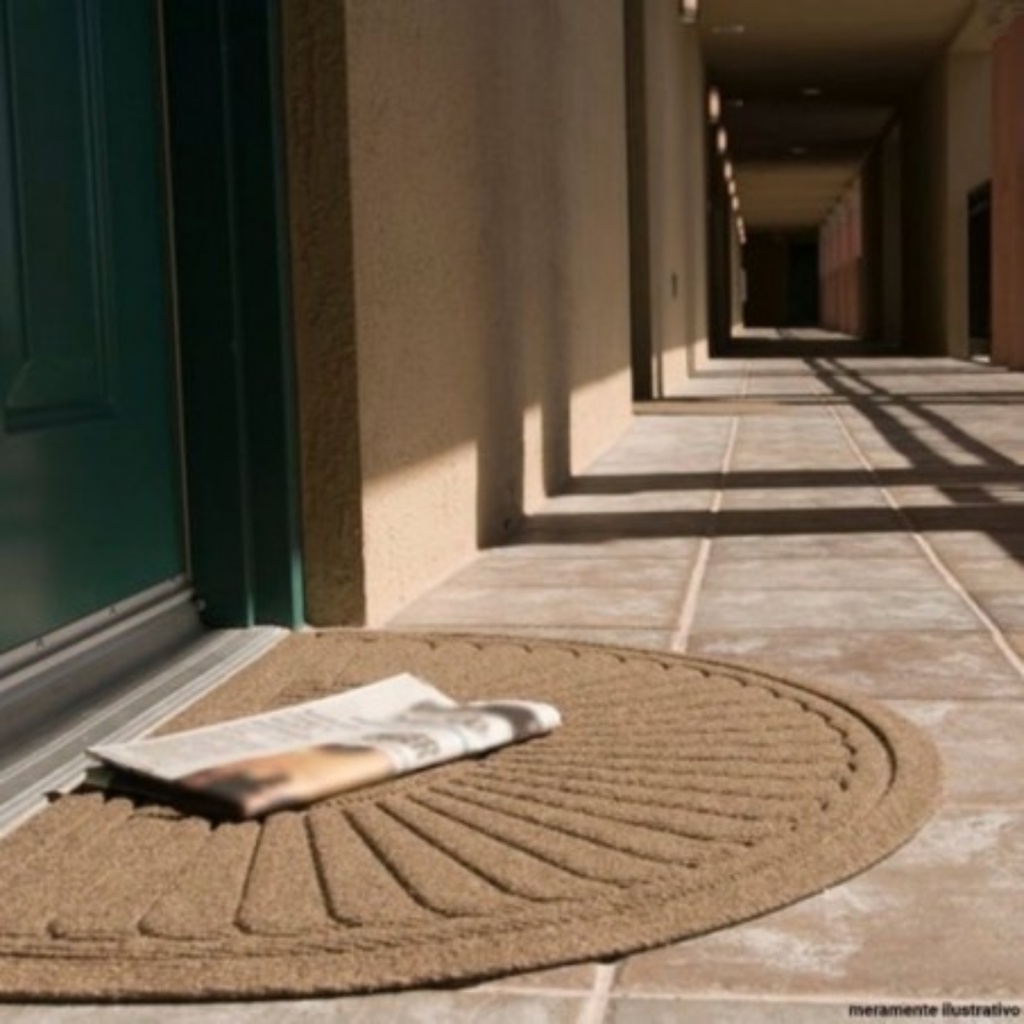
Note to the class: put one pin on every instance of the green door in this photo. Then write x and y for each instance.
(90, 508)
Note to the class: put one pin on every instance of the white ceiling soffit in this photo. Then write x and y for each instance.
(778, 197)
(808, 85)
(873, 48)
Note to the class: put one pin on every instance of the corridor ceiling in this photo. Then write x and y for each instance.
(808, 86)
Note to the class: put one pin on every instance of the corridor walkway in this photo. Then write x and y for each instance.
(857, 521)
(851, 520)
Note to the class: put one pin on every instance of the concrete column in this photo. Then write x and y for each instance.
(826, 238)
(459, 240)
(857, 262)
(846, 257)
(822, 273)
(892, 237)
(737, 278)
(720, 231)
(315, 84)
(694, 282)
(969, 165)
(667, 193)
(924, 228)
(872, 216)
(1008, 198)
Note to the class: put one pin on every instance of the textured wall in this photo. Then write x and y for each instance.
(925, 229)
(673, 284)
(947, 151)
(323, 311)
(874, 214)
(969, 146)
(737, 284)
(665, 162)
(883, 268)
(490, 239)
(1008, 199)
(694, 192)
(843, 277)
(892, 236)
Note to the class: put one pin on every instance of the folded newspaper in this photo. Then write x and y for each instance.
(249, 767)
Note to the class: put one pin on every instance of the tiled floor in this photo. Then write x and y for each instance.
(857, 521)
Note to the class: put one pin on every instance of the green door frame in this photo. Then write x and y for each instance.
(227, 184)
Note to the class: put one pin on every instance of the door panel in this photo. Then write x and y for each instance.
(89, 479)
(60, 203)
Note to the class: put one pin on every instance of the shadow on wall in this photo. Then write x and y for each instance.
(556, 249)
(488, 152)
(458, 191)
(525, 397)
(979, 485)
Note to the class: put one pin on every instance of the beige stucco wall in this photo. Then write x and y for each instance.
(969, 155)
(925, 220)
(882, 236)
(666, 219)
(891, 242)
(947, 152)
(1008, 197)
(694, 197)
(489, 227)
(675, 192)
(323, 309)
(737, 282)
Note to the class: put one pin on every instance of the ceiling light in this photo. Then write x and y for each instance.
(727, 170)
(714, 105)
(798, 150)
(688, 11)
(811, 90)
(722, 140)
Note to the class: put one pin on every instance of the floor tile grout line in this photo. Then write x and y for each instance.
(508, 987)
(595, 1009)
(680, 639)
(992, 627)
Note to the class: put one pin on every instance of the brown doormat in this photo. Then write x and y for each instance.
(680, 796)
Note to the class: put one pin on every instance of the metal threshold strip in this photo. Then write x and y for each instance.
(108, 685)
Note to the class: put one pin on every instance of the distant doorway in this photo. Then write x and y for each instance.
(979, 269)
(804, 299)
(782, 280)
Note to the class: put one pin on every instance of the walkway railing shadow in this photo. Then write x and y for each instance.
(582, 527)
(982, 487)
(973, 506)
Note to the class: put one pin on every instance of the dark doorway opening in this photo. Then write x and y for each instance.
(804, 308)
(979, 269)
(783, 288)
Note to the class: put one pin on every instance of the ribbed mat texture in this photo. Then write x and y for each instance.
(680, 796)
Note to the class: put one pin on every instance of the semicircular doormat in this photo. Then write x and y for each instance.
(679, 796)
